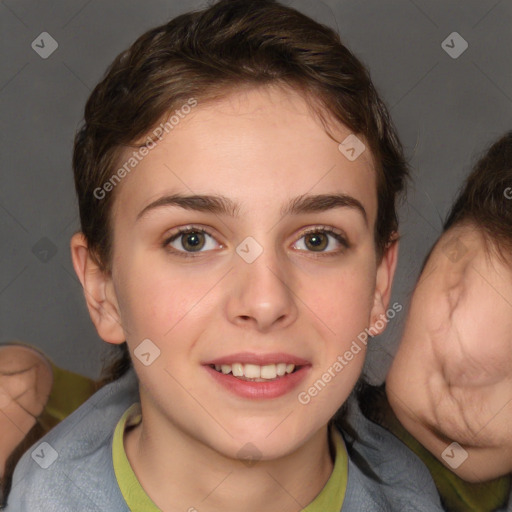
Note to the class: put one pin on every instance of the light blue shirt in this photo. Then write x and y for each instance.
(71, 469)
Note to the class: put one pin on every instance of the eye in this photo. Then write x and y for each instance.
(190, 240)
(318, 239)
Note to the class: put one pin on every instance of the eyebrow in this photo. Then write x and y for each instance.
(221, 205)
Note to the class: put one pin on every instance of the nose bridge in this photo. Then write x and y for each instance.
(262, 288)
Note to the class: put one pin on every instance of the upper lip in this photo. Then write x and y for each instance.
(259, 359)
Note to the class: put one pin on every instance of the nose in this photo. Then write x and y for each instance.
(262, 294)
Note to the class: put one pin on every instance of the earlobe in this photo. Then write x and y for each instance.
(383, 285)
(98, 290)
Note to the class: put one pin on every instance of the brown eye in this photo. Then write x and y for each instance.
(192, 241)
(187, 241)
(317, 241)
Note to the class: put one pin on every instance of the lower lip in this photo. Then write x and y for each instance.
(271, 389)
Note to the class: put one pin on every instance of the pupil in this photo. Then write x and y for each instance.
(192, 240)
(316, 241)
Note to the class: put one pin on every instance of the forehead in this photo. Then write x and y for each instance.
(259, 146)
(461, 255)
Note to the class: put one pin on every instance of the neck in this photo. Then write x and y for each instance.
(198, 476)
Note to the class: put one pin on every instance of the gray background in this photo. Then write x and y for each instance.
(446, 110)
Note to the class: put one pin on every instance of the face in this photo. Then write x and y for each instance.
(278, 280)
(462, 300)
(453, 369)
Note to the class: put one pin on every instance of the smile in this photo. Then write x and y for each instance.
(254, 372)
(257, 387)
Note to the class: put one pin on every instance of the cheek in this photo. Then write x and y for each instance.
(341, 305)
(153, 300)
(430, 311)
(346, 307)
(484, 323)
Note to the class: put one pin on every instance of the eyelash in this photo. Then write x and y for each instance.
(193, 229)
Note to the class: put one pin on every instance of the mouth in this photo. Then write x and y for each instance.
(257, 373)
(259, 376)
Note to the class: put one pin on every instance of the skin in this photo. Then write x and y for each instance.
(26, 380)
(290, 299)
(451, 379)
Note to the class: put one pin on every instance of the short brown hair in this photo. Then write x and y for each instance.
(485, 199)
(206, 55)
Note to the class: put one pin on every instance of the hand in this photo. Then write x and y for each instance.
(26, 380)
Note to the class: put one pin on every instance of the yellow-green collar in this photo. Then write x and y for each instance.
(330, 498)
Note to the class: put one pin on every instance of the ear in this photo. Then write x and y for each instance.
(384, 282)
(99, 292)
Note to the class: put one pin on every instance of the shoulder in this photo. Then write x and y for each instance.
(384, 475)
(71, 466)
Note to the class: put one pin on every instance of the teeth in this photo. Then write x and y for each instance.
(281, 369)
(237, 369)
(254, 371)
(268, 371)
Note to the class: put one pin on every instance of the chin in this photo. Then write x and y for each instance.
(265, 445)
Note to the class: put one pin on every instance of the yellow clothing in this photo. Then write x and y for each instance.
(70, 390)
(330, 497)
